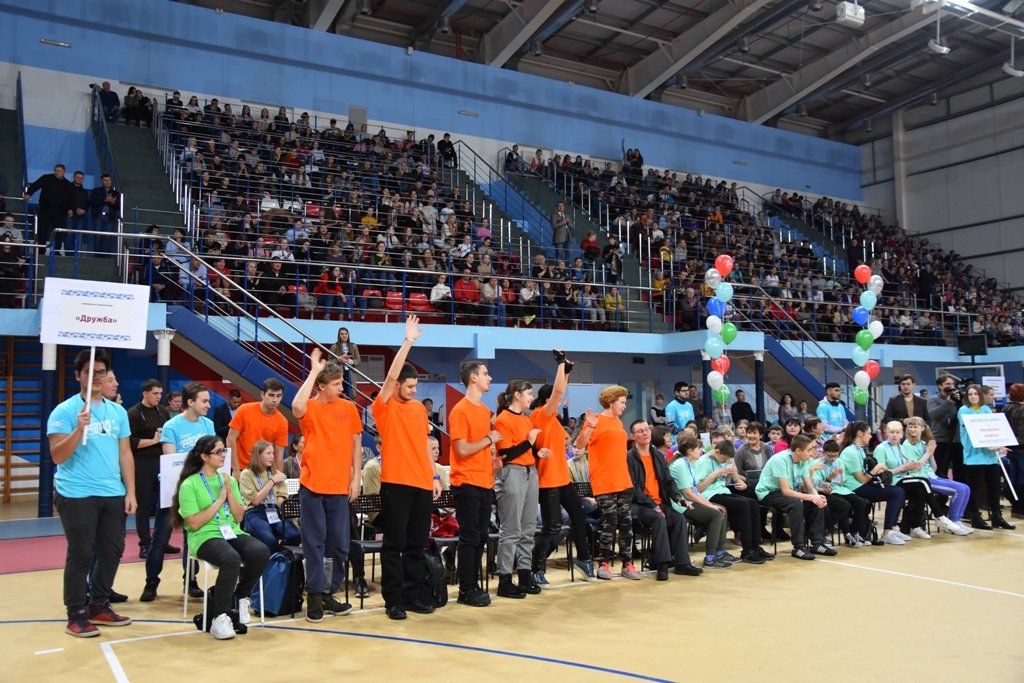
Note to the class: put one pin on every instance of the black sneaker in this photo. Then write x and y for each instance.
(508, 589)
(687, 570)
(979, 523)
(335, 608)
(716, 563)
(1001, 523)
(474, 597)
(396, 612)
(117, 597)
(527, 584)
(143, 550)
(728, 558)
(79, 625)
(148, 593)
(194, 591)
(314, 608)
(662, 572)
(822, 549)
(420, 607)
(171, 550)
(802, 553)
(362, 589)
(763, 553)
(752, 557)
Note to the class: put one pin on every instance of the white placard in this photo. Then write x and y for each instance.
(998, 384)
(170, 470)
(989, 430)
(89, 313)
(705, 438)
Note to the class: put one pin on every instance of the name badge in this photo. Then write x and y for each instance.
(272, 515)
(227, 532)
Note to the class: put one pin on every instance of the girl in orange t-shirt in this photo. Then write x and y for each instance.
(605, 439)
(556, 487)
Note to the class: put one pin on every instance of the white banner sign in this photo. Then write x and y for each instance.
(88, 313)
(170, 470)
(989, 430)
(998, 384)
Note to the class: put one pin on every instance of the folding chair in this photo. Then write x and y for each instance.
(206, 591)
(365, 505)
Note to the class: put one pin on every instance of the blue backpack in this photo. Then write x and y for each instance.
(284, 582)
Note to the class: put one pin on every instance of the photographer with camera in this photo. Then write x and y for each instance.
(942, 420)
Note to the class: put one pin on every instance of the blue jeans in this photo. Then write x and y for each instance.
(325, 533)
(74, 241)
(562, 251)
(275, 535)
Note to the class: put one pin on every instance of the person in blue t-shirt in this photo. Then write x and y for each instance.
(831, 411)
(679, 411)
(95, 493)
(179, 435)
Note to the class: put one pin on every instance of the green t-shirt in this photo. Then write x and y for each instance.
(684, 476)
(826, 476)
(915, 451)
(852, 460)
(781, 466)
(704, 466)
(892, 457)
(194, 497)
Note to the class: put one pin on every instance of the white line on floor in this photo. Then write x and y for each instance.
(115, 664)
(923, 578)
(50, 652)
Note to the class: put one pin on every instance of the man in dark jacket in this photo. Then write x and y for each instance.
(103, 203)
(55, 200)
(653, 492)
(906, 403)
(78, 219)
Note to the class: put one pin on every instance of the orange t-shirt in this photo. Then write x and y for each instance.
(606, 452)
(651, 487)
(403, 429)
(254, 425)
(552, 471)
(514, 428)
(328, 429)
(470, 422)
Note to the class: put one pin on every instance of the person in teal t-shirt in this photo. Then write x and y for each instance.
(848, 509)
(857, 436)
(981, 465)
(786, 485)
(208, 503)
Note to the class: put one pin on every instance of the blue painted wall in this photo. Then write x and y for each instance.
(171, 45)
(48, 146)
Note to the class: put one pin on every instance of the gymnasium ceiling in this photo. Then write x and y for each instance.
(784, 63)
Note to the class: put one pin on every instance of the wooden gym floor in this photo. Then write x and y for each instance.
(946, 609)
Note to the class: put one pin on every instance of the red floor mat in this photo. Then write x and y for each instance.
(48, 552)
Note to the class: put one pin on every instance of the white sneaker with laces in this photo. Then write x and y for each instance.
(967, 531)
(902, 535)
(890, 538)
(222, 628)
(918, 532)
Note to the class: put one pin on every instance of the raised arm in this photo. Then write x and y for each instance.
(412, 333)
(561, 383)
(316, 364)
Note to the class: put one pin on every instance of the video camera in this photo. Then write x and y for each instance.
(958, 391)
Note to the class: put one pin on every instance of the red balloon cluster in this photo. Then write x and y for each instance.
(721, 364)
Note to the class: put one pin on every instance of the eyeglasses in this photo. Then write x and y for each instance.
(219, 451)
(97, 373)
(643, 430)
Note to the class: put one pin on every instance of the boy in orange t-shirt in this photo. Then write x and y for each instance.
(408, 483)
(472, 477)
(254, 422)
(329, 478)
(605, 440)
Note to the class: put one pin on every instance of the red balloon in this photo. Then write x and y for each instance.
(871, 367)
(723, 264)
(862, 273)
(721, 364)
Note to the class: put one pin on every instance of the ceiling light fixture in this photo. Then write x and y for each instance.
(591, 6)
(802, 110)
(537, 48)
(445, 25)
(935, 44)
(867, 80)
(1008, 67)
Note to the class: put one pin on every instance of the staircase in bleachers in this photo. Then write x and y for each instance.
(144, 181)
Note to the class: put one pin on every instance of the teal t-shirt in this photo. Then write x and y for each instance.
(781, 466)
(704, 466)
(852, 460)
(972, 454)
(183, 434)
(826, 475)
(94, 469)
(193, 496)
(682, 472)
(915, 451)
(892, 457)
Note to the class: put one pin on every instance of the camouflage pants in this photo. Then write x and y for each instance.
(615, 516)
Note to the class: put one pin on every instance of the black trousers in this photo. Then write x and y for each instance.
(147, 493)
(551, 502)
(950, 455)
(234, 580)
(858, 512)
(93, 526)
(744, 517)
(473, 513)
(406, 529)
(803, 515)
(985, 478)
(839, 511)
(669, 541)
(49, 219)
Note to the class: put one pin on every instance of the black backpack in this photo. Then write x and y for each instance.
(435, 583)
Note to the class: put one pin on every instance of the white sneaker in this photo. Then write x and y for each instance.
(918, 532)
(222, 628)
(244, 607)
(890, 538)
(967, 531)
(902, 535)
(945, 524)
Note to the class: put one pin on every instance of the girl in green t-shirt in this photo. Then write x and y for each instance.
(208, 503)
(858, 435)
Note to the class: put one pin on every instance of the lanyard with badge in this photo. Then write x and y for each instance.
(225, 528)
(692, 478)
(269, 507)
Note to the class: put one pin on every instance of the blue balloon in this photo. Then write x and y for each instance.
(714, 346)
(716, 307)
(859, 356)
(861, 315)
(723, 292)
(868, 299)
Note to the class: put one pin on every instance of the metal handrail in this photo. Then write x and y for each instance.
(20, 105)
(101, 137)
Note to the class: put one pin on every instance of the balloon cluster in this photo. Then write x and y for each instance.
(720, 334)
(867, 336)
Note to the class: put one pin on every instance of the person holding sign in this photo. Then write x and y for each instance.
(263, 490)
(208, 503)
(330, 477)
(982, 465)
(95, 492)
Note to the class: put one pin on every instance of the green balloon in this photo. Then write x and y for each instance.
(860, 396)
(864, 339)
(729, 333)
(721, 395)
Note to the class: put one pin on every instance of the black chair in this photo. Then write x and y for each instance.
(290, 511)
(447, 501)
(365, 505)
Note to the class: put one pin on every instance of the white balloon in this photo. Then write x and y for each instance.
(862, 379)
(714, 324)
(876, 328)
(876, 283)
(712, 278)
(716, 380)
